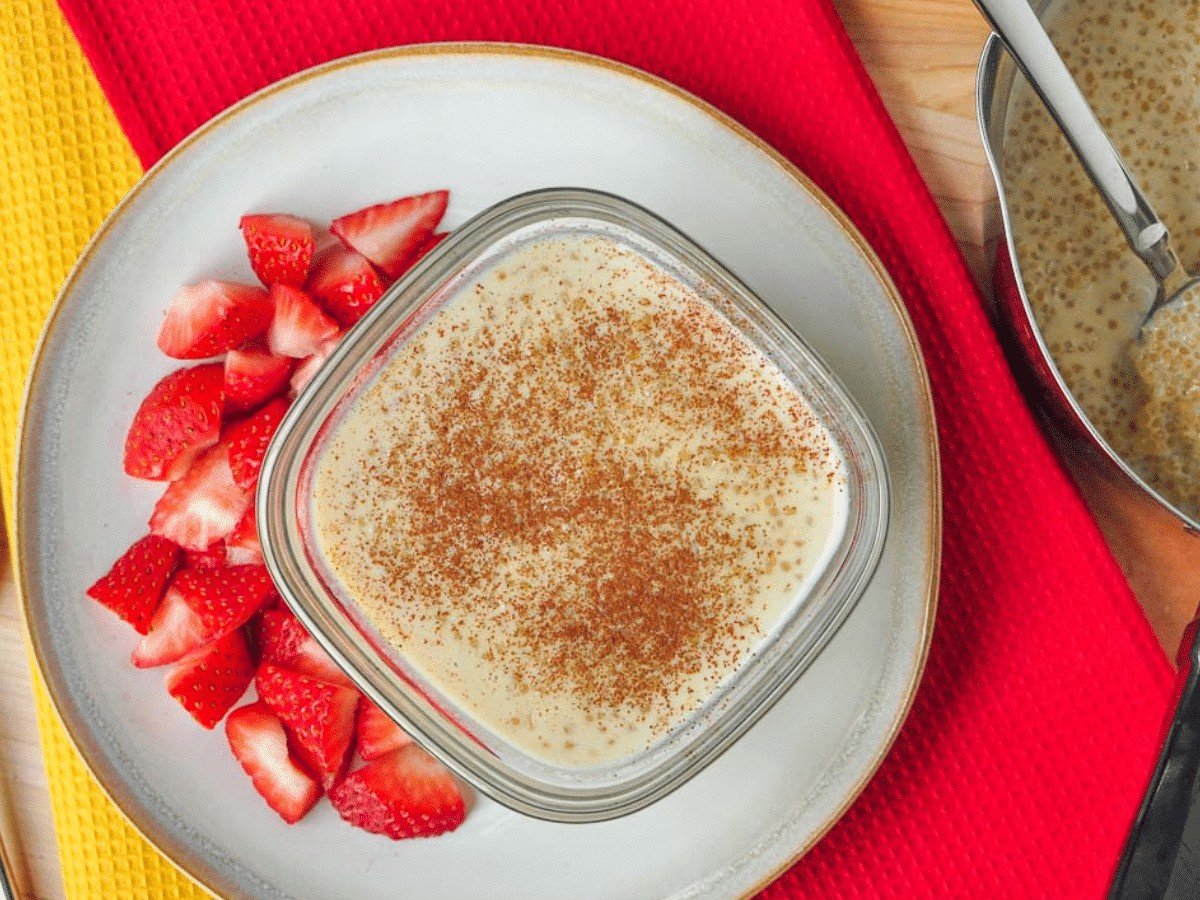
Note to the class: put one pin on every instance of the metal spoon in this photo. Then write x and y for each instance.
(1018, 27)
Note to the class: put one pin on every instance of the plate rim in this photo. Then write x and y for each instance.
(185, 860)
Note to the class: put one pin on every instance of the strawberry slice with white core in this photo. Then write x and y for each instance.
(406, 793)
(225, 597)
(307, 370)
(260, 744)
(175, 631)
(253, 376)
(179, 417)
(378, 734)
(203, 506)
(346, 284)
(283, 641)
(280, 247)
(242, 547)
(208, 682)
(205, 559)
(248, 441)
(319, 716)
(389, 234)
(134, 585)
(300, 326)
(210, 317)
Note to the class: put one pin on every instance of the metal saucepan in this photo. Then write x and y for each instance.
(1023, 339)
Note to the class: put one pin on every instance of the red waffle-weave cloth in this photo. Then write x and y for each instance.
(1034, 730)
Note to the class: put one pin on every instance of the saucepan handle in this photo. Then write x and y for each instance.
(1157, 834)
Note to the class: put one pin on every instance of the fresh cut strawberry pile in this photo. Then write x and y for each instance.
(195, 588)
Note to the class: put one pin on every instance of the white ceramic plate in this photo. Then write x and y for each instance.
(489, 122)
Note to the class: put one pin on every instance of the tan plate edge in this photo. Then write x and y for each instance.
(931, 577)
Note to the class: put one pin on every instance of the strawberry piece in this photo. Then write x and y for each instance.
(389, 234)
(346, 284)
(259, 743)
(283, 641)
(299, 326)
(280, 247)
(307, 370)
(134, 585)
(225, 598)
(312, 660)
(242, 546)
(319, 716)
(378, 734)
(248, 441)
(280, 636)
(406, 793)
(175, 631)
(179, 417)
(213, 557)
(252, 377)
(210, 317)
(203, 506)
(209, 681)
(427, 247)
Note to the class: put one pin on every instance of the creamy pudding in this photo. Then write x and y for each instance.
(1167, 362)
(1088, 291)
(577, 499)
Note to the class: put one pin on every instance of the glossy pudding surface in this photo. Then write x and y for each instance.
(577, 499)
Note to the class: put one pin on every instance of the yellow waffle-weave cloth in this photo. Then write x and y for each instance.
(63, 165)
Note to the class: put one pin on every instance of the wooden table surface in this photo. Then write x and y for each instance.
(922, 55)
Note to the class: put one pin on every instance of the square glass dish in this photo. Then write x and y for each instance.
(305, 544)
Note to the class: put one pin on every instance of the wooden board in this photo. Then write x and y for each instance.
(24, 778)
(922, 55)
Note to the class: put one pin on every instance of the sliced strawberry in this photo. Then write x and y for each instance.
(280, 247)
(213, 557)
(257, 739)
(204, 505)
(211, 680)
(253, 632)
(175, 631)
(320, 716)
(242, 546)
(248, 441)
(134, 585)
(312, 660)
(179, 417)
(253, 628)
(406, 793)
(252, 377)
(299, 326)
(378, 734)
(208, 318)
(310, 367)
(280, 637)
(389, 234)
(346, 284)
(427, 247)
(284, 641)
(225, 598)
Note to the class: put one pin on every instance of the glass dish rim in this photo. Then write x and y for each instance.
(308, 597)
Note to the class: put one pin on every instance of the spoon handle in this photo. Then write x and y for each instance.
(1016, 24)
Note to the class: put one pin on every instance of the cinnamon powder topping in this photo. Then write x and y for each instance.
(577, 499)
